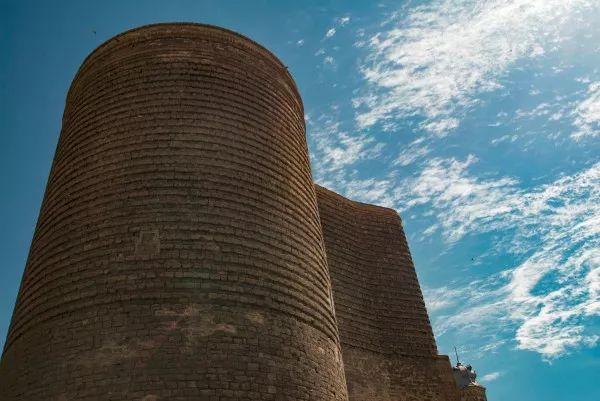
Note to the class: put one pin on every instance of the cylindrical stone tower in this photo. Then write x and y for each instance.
(388, 346)
(178, 253)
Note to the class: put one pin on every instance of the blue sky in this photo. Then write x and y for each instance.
(479, 121)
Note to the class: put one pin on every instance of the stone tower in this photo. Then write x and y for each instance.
(182, 251)
(387, 343)
(178, 253)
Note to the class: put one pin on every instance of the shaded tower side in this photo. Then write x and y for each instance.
(178, 253)
(387, 342)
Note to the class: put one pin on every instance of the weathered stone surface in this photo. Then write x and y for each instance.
(473, 393)
(178, 253)
(387, 343)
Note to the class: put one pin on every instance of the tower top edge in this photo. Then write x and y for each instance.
(163, 28)
(382, 210)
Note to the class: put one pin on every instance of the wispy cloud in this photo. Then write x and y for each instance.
(542, 109)
(413, 152)
(339, 22)
(440, 127)
(334, 150)
(434, 60)
(342, 21)
(371, 191)
(438, 299)
(465, 203)
(553, 230)
(490, 377)
(587, 113)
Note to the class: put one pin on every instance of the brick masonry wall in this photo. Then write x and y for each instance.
(473, 393)
(178, 253)
(387, 343)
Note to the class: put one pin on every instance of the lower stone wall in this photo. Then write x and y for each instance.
(473, 393)
(376, 377)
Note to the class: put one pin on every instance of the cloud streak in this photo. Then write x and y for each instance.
(330, 33)
(587, 114)
(491, 376)
(436, 59)
(334, 150)
(553, 229)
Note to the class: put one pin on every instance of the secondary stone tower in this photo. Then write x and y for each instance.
(182, 251)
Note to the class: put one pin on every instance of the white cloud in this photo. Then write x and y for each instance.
(339, 22)
(593, 284)
(441, 127)
(542, 109)
(330, 33)
(430, 230)
(587, 114)
(504, 138)
(464, 203)
(439, 57)
(413, 152)
(370, 191)
(441, 298)
(300, 42)
(334, 150)
(343, 21)
(491, 376)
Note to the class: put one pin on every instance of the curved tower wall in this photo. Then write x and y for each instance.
(387, 342)
(178, 253)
